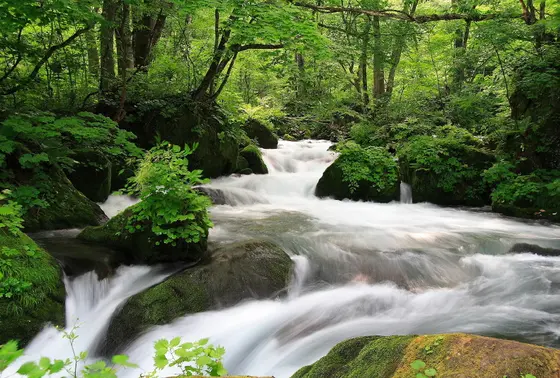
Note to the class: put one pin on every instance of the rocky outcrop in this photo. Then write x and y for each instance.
(254, 159)
(377, 178)
(263, 135)
(32, 288)
(93, 175)
(533, 248)
(449, 355)
(67, 206)
(250, 269)
(142, 246)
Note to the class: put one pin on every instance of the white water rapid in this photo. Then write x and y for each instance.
(361, 269)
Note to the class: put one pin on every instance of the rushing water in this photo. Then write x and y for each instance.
(360, 269)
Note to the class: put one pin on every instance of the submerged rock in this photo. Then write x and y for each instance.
(258, 131)
(67, 206)
(243, 270)
(253, 156)
(449, 355)
(36, 291)
(533, 248)
(140, 247)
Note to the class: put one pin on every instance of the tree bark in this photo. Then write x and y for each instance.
(93, 54)
(147, 33)
(123, 36)
(362, 71)
(378, 61)
(107, 32)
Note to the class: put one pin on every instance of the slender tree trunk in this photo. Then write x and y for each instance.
(107, 45)
(123, 36)
(147, 33)
(219, 61)
(93, 54)
(378, 61)
(362, 71)
(300, 85)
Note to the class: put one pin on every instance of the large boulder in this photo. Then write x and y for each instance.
(263, 135)
(361, 174)
(445, 171)
(93, 175)
(142, 246)
(254, 159)
(181, 122)
(67, 206)
(449, 355)
(238, 271)
(31, 287)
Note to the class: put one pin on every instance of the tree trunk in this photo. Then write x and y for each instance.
(124, 38)
(378, 61)
(146, 35)
(458, 73)
(107, 45)
(362, 71)
(300, 86)
(93, 54)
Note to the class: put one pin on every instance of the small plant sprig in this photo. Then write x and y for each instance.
(419, 368)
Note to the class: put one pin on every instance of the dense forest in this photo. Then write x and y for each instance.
(454, 101)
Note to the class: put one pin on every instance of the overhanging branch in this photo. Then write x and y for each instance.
(403, 16)
(256, 46)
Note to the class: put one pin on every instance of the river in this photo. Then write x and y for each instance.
(360, 269)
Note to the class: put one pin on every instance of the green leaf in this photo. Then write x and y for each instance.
(430, 372)
(203, 361)
(27, 368)
(44, 363)
(175, 342)
(418, 365)
(160, 361)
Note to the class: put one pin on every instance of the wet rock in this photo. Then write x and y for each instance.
(263, 135)
(93, 175)
(451, 355)
(23, 314)
(67, 206)
(533, 248)
(217, 196)
(250, 269)
(140, 247)
(254, 159)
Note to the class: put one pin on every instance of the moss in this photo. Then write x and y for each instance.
(452, 355)
(263, 135)
(253, 155)
(67, 207)
(242, 164)
(251, 269)
(374, 173)
(141, 247)
(24, 315)
(92, 176)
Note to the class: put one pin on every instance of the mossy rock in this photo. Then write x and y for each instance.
(445, 171)
(140, 247)
(67, 206)
(238, 271)
(263, 135)
(242, 164)
(24, 314)
(334, 182)
(253, 156)
(93, 175)
(451, 355)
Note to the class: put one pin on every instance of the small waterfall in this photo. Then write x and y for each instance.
(406, 193)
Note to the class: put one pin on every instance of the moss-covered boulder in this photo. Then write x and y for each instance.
(445, 171)
(361, 174)
(263, 135)
(67, 206)
(31, 288)
(254, 159)
(250, 269)
(450, 355)
(142, 246)
(93, 175)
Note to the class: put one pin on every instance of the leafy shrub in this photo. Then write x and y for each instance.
(169, 205)
(372, 164)
(198, 358)
(10, 213)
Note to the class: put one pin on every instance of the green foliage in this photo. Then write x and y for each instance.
(198, 358)
(10, 213)
(169, 204)
(420, 370)
(371, 164)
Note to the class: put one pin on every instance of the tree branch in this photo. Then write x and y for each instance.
(400, 15)
(44, 60)
(256, 46)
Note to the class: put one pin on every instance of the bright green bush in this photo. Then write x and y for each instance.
(372, 164)
(169, 205)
